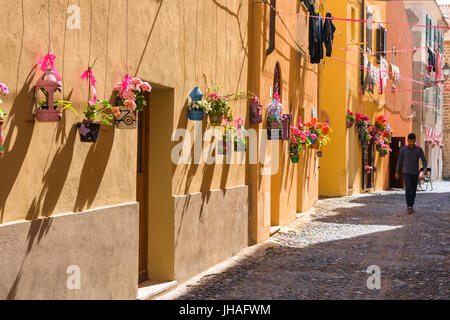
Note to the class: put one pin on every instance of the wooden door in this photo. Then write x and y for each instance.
(396, 145)
(142, 190)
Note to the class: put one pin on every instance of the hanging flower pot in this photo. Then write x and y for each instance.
(379, 147)
(47, 108)
(286, 123)
(126, 119)
(255, 111)
(88, 131)
(224, 146)
(295, 158)
(315, 145)
(215, 119)
(196, 114)
(319, 154)
(240, 146)
(349, 124)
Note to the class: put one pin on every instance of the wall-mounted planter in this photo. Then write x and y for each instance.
(378, 147)
(319, 154)
(196, 115)
(239, 146)
(127, 119)
(47, 111)
(314, 145)
(224, 146)
(295, 158)
(349, 124)
(215, 120)
(286, 122)
(88, 131)
(255, 115)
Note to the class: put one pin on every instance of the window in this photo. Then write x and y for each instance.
(381, 43)
(394, 54)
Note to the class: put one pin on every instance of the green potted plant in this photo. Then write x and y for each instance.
(219, 104)
(95, 115)
(351, 118)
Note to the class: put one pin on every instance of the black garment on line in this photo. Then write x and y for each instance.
(315, 37)
(328, 34)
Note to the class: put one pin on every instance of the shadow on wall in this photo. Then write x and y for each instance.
(94, 169)
(21, 126)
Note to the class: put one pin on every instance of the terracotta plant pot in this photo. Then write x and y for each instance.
(239, 147)
(88, 131)
(315, 145)
(295, 158)
(255, 116)
(196, 115)
(46, 115)
(127, 119)
(215, 120)
(349, 124)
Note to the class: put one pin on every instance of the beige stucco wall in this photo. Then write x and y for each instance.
(47, 171)
(102, 244)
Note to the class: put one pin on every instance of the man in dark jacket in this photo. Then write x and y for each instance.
(408, 161)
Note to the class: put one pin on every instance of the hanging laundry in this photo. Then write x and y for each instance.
(384, 71)
(315, 36)
(328, 34)
(438, 63)
(431, 61)
(370, 80)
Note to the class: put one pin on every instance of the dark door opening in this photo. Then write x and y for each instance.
(142, 190)
(368, 154)
(396, 145)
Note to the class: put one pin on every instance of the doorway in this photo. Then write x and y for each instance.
(396, 145)
(368, 154)
(142, 188)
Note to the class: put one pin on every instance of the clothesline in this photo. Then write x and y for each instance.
(403, 77)
(396, 51)
(365, 21)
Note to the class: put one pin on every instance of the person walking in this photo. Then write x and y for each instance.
(408, 161)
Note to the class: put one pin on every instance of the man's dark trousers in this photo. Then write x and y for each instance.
(411, 181)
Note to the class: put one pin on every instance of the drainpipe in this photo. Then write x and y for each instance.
(271, 47)
(363, 6)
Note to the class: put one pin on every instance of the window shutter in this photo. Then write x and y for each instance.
(427, 32)
(369, 30)
(379, 42)
(385, 44)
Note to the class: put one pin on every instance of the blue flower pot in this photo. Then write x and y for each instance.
(196, 114)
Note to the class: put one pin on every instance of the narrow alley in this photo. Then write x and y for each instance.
(327, 257)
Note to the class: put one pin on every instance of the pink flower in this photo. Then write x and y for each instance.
(294, 140)
(129, 95)
(130, 104)
(118, 87)
(145, 86)
(4, 89)
(136, 81)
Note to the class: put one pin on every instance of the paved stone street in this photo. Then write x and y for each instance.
(327, 257)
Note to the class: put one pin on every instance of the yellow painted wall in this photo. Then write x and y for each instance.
(292, 188)
(341, 166)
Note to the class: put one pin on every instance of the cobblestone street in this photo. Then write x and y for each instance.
(327, 257)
